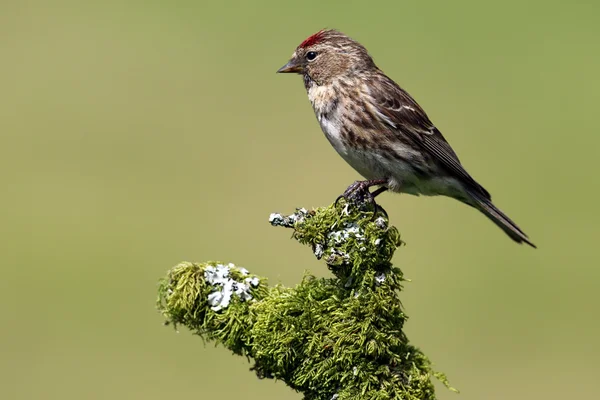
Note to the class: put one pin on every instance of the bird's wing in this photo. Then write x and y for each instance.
(403, 115)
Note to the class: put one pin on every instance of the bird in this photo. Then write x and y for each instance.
(381, 131)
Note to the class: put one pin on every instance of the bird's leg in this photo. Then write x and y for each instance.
(360, 189)
(359, 192)
(378, 191)
(374, 194)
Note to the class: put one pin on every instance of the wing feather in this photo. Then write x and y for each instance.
(403, 115)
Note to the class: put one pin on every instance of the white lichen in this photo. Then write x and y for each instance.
(380, 278)
(224, 286)
(381, 223)
(289, 221)
(242, 290)
(252, 281)
(319, 251)
(217, 275)
(350, 230)
(275, 219)
(346, 210)
(219, 299)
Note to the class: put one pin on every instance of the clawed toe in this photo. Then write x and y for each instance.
(379, 209)
(359, 193)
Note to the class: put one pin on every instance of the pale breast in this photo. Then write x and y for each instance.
(326, 106)
(371, 161)
(324, 99)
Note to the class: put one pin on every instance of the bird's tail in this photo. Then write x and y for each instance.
(485, 205)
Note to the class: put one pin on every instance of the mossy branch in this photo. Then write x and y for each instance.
(330, 338)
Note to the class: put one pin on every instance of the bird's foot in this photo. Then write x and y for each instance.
(359, 193)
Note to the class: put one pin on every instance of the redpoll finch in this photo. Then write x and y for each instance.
(380, 130)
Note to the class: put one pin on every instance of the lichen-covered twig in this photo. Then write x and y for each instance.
(331, 338)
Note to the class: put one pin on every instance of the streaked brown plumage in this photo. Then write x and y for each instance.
(380, 130)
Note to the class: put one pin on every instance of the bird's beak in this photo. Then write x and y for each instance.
(293, 66)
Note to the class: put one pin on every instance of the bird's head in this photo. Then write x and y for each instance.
(327, 55)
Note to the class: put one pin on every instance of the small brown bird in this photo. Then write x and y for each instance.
(380, 130)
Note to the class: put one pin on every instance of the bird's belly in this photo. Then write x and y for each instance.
(401, 174)
(369, 162)
(364, 162)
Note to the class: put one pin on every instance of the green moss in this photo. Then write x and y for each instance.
(337, 337)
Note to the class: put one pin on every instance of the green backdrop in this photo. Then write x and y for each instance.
(139, 134)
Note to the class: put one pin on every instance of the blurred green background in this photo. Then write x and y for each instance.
(139, 134)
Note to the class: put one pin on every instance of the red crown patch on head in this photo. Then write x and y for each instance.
(313, 39)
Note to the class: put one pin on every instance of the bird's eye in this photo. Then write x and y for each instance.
(311, 55)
